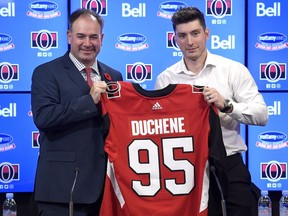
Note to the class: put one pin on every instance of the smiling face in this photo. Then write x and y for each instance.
(85, 39)
(191, 39)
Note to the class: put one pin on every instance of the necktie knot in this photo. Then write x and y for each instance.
(88, 74)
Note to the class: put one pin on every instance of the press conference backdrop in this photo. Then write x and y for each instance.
(267, 56)
(139, 41)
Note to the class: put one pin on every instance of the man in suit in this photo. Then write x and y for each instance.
(71, 164)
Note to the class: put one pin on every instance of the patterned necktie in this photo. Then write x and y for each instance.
(88, 74)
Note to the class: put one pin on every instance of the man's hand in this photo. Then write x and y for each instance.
(96, 90)
(211, 95)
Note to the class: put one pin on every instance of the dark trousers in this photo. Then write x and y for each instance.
(62, 209)
(240, 199)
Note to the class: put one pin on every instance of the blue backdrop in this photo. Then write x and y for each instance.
(139, 42)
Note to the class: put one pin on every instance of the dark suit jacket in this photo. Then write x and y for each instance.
(70, 132)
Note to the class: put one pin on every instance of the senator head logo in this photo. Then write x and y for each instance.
(171, 41)
(138, 72)
(113, 90)
(218, 8)
(99, 6)
(44, 40)
(8, 72)
(273, 170)
(9, 172)
(272, 71)
(35, 139)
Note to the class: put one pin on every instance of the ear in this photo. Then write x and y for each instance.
(102, 37)
(69, 34)
(207, 33)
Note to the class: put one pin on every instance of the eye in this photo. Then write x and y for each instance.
(195, 34)
(181, 36)
(94, 37)
(80, 36)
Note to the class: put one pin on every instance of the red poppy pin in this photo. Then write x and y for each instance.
(107, 76)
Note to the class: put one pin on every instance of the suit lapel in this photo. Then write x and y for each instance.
(104, 72)
(73, 73)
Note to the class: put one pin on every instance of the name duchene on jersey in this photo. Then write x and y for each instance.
(158, 126)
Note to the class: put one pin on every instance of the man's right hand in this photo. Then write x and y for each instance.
(96, 90)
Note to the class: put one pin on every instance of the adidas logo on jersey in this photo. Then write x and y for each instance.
(157, 106)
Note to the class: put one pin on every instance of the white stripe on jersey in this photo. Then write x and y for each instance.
(205, 190)
(111, 175)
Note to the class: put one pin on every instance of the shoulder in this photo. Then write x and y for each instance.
(169, 75)
(174, 68)
(106, 68)
(52, 67)
(103, 68)
(224, 61)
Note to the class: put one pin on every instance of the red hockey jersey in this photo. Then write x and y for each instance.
(158, 144)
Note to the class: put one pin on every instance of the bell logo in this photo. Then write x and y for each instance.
(127, 11)
(8, 112)
(275, 109)
(224, 44)
(8, 11)
(269, 11)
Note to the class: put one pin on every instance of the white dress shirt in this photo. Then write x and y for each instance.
(95, 75)
(233, 81)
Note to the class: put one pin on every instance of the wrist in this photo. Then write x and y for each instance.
(227, 107)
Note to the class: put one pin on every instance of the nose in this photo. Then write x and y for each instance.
(86, 41)
(190, 39)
